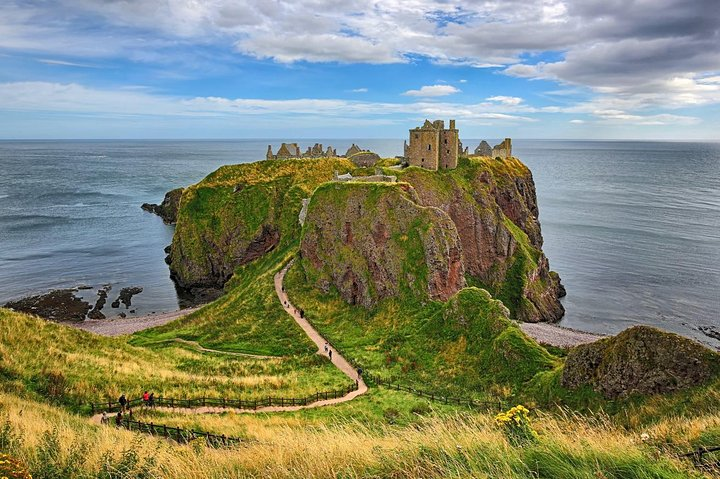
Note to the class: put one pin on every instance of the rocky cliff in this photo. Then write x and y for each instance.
(239, 213)
(487, 208)
(374, 240)
(494, 207)
(168, 209)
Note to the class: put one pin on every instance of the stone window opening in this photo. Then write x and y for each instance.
(446, 141)
(429, 147)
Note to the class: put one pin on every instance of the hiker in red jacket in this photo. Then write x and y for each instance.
(146, 398)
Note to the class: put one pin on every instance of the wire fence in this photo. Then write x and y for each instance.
(180, 435)
(115, 406)
(700, 457)
(433, 396)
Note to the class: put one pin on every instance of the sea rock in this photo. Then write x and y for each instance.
(125, 296)
(168, 209)
(96, 312)
(374, 240)
(58, 305)
(640, 360)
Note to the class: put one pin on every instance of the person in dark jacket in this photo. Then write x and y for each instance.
(123, 401)
(118, 419)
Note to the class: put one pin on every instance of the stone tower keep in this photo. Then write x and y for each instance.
(434, 147)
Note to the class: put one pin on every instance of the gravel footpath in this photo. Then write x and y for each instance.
(554, 335)
(129, 325)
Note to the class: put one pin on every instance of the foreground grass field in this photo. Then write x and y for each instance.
(70, 367)
(56, 444)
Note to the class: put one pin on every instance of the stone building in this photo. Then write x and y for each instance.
(503, 150)
(434, 147)
(292, 150)
(483, 149)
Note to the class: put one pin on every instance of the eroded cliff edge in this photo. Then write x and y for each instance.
(486, 210)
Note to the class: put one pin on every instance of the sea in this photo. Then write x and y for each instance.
(633, 228)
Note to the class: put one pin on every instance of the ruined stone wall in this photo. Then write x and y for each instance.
(423, 150)
(449, 149)
(503, 150)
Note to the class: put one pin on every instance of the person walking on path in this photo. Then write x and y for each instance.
(326, 347)
(330, 354)
(151, 400)
(146, 398)
(123, 401)
(104, 418)
(359, 371)
(118, 419)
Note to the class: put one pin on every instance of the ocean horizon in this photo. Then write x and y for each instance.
(632, 227)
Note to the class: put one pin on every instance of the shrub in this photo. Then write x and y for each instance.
(11, 468)
(516, 425)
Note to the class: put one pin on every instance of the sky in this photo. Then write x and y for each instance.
(575, 69)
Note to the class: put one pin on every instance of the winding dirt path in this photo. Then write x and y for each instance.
(195, 345)
(337, 359)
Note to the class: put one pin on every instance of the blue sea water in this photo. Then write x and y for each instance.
(633, 228)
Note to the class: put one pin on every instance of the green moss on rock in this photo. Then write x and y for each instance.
(640, 360)
(372, 241)
(239, 213)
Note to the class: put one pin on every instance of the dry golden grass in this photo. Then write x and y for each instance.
(458, 445)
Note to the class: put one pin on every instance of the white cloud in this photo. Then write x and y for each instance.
(48, 61)
(360, 90)
(433, 91)
(506, 100)
(74, 98)
(577, 122)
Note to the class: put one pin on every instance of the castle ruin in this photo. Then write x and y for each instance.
(503, 150)
(433, 146)
(292, 150)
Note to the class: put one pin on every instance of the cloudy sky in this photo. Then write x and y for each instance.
(641, 69)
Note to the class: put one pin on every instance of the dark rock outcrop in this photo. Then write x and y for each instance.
(58, 305)
(168, 209)
(125, 296)
(96, 312)
(640, 360)
(373, 241)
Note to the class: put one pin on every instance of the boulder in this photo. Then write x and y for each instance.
(640, 360)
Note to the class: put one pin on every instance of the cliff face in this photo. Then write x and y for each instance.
(239, 213)
(373, 241)
(168, 209)
(494, 208)
(483, 219)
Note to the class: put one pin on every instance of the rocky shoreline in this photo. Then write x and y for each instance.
(65, 305)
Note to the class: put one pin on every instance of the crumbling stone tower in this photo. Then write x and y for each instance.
(434, 147)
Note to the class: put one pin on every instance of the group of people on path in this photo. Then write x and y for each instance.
(148, 400)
